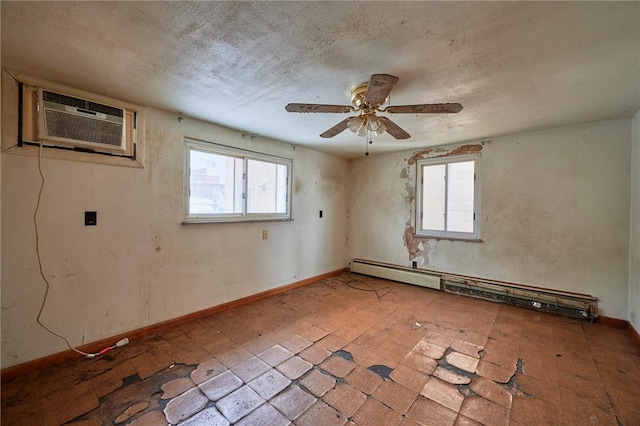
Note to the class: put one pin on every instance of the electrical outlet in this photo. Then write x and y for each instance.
(90, 218)
(414, 264)
(264, 234)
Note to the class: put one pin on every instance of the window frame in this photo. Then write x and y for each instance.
(448, 235)
(245, 155)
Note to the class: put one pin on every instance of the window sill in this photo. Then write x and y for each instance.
(448, 238)
(193, 220)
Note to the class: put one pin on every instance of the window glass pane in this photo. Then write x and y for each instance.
(215, 184)
(227, 185)
(266, 187)
(281, 183)
(433, 196)
(460, 197)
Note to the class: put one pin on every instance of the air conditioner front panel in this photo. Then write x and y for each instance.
(80, 122)
(80, 128)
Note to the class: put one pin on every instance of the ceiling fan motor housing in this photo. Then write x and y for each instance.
(357, 98)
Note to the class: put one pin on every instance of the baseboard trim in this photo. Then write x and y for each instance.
(28, 367)
(612, 322)
(622, 325)
(634, 334)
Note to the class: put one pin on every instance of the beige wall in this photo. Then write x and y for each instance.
(140, 265)
(555, 213)
(634, 241)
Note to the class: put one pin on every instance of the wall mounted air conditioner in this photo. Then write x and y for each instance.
(75, 122)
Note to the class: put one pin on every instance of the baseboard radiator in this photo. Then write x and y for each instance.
(554, 301)
(570, 304)
(396, 273)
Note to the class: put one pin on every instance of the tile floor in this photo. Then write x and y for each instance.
(327, 354)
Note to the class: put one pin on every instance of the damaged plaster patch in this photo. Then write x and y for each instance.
(411, 243)
(445, 152)
(420, 248)
(415, 246)
(410, 193)
(409, 188)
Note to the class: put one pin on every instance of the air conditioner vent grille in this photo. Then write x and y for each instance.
(82, 128)
(81, 103)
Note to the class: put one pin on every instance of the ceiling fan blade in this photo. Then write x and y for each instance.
(318, 108)
(379, 87)
(340, 127)
(394, 130)
(424, 109)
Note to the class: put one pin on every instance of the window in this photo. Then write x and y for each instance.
(447, 203)
(225, 184)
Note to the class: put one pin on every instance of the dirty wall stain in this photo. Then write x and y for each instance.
(332, 182)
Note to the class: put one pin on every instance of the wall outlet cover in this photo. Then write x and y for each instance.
(90, 218)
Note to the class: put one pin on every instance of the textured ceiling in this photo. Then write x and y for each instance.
(515, 66)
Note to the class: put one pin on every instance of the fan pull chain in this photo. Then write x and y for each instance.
(368, 142)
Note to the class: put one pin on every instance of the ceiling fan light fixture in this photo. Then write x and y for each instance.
(362, 131)
(357, 125)
(375, 125)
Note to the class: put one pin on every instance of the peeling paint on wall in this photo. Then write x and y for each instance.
(465, 149)
(413, 244)
(405, 173)
(410, 193)
(418, 247)
(446, 152)
(417, 156)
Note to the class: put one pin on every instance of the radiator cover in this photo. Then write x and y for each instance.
(548, 300)
(396, 273)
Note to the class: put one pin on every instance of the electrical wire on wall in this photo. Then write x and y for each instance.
(120, 343)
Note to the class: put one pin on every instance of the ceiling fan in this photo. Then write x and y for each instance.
(366, 100)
